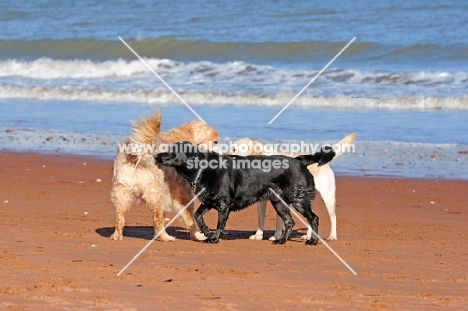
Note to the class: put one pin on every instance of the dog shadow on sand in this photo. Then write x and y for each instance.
(147, 233)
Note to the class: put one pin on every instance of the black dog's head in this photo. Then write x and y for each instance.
(178, 154)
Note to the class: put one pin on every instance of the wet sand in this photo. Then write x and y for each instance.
(405, 238)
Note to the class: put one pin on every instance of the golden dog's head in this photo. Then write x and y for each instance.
(201, 133)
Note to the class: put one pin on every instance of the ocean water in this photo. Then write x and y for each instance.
(68, 84)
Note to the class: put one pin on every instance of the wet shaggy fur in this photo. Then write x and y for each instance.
(232, 188)
(138, 180)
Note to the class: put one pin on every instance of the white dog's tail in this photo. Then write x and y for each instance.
(344, 145)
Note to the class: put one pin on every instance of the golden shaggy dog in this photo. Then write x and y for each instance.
(138, 179)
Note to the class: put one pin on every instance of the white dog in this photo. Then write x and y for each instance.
(324, 179)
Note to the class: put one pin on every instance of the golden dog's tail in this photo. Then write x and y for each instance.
(143, 140)
(146, 130)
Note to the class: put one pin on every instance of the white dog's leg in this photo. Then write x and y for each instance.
(326, 185)
(279, 229)
(329, 198)
(261, 209)
(330, 204)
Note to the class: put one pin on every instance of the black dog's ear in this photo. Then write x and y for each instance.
(184, 147)
(162, 158)
(170, 159)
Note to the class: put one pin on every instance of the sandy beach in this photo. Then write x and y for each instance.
(405, 238)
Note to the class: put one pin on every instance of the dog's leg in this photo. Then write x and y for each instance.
(122, 200)
(181, 194)
(330, 204)
(304, 207)
(202, 210)
(189, 221)
(261, 210)
(279, 229)
(155, 201)
(223, 215)
(313, 221)
(158, 221)
(283, 212)
(326, 185)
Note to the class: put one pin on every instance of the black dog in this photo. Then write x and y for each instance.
(234, 182)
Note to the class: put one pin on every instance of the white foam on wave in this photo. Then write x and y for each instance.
(232, 83)
(46, 68)
(163, 97)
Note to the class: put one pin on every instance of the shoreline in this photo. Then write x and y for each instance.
(338, 173)
(403, 237)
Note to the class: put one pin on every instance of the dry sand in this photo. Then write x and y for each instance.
(406, 239)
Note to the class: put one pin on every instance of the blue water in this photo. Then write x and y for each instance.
(407, 34)
(234, 121)
(403, 82)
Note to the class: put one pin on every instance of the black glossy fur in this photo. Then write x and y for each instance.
(231, 189)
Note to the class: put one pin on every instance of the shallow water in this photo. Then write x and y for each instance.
(411, 149)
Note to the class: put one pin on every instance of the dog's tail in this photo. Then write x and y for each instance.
(328, 153)
(325, 155)
(344, 145)
(144, 136)
(146, 130)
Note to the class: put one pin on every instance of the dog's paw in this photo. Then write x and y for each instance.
(332, 238)
(256, 237)
(279, 241)
(312, 242)
(305, 237)
(276, 236)
(167, 238)
(198, 236)
(116, 237)
(211, 240)
(205, 231)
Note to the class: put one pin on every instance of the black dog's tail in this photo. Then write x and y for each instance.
(325, 155)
